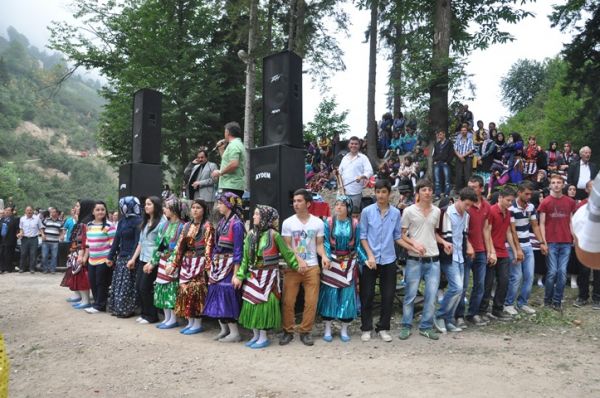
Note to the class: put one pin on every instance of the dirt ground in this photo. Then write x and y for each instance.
(56, 351)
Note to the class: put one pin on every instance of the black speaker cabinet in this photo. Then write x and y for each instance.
(282, 99)
(140, 179)
(276, 171)
(146, 126)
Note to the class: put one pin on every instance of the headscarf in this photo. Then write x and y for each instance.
(174, 205)
(346, 200)
(130, 206)
(233, 203)
(269, 219)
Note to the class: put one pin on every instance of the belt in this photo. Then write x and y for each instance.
(30, 237)
(432, 259)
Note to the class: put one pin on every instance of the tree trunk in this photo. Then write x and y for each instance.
(250, 89)
(292, 25)
(438, 90)
(396, 72)
(269, 27)
(299, 35)
(371, 121)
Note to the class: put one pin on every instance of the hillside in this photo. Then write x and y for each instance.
(48, 153)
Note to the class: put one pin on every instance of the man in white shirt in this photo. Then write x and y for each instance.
(355, 170)
(579, 173)
(304, 233)
(29, 229)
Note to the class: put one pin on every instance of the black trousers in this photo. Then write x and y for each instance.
(7, 255)
(463, 172)
(499, 273)
(387, 288)
(583, 281)
(144, 285)
(100, 277)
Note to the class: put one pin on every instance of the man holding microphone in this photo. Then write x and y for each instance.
(355, 169)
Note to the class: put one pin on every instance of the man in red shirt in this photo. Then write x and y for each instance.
(555, 213)
(476, 261)
(497, 233)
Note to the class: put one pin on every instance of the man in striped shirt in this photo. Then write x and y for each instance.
(523, 218)
(53, 231)
(463, 149)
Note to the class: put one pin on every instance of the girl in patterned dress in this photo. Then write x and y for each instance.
(123, 298)
(193, 258)
(78, 281)
(258, 276)
(223, 300)
(167, 282)
(337, 294)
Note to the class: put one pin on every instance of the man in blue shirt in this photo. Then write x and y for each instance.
(379, 228)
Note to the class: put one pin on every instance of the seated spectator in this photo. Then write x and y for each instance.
(541, 182)
(407, 174)
(554, 157)
(395, 145)
(499, 177)
(421, 160)
(531, 158)
(409, 141)
(500, 145)
(324, 146)
(399, 123)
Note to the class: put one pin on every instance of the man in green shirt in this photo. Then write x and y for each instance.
(231, 171)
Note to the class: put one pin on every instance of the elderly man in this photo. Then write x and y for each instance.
(199, 181)
(581, 172)
(29, 229)
(233, 158)
(355, 169)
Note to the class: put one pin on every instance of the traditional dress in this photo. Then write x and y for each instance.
(337, 294)
(76, 276)
(531, 157)
(223, 301)
(123, 297)
(193, 258)
(165, 287)
(259, 270)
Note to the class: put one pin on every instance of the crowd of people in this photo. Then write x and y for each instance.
(173, 256)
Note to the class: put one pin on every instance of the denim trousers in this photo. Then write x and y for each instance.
(414, 271)
(455, 274)
(520, 274)
(439, 169)
(49, 256)
(478, 266)
(556, 276)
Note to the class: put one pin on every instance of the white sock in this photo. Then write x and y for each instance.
(197, 323)
(255, 334)
(224, 329)
(262, 337)
(190, 324)
(344, 331)
(85, 296)
(171, 319)
(327, 328)
(233, 330)
(76, 295)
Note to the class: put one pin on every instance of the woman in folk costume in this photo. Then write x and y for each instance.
(193, 258)
(259, 272)
(337, 294)
(223, 300)
(167, 282)
(123, 295)
(77, 260)
(67, 278)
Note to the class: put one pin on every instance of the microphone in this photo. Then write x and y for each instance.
(219, 144)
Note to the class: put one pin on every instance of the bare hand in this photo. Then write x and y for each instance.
(520, 256)
(492, 259)
(359, 178)
(419, 248)
(326, 262)
(470, 252)
(236, 282)
(447, 248)
(148, 268)
(371, 263)
(195, 184)
(544, 249)
(109, 263)
(215, 174)
(131, 264)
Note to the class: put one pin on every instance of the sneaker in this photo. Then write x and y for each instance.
(596, 305)
(306, 339)
(91, 310)
(439, 324)
(139, 319)
(286, 338)
(557, 307)
(540, 283)
(404, 333)
(453, 328)
(365, 336)
(484, 318)
(477, 320)
(574, 283)
(502, 316)
(429, 333)
(527, 309)
(579, 302)
(510, 310)
(460, 322)
(490, 316)
(385, 335)
(143, 322)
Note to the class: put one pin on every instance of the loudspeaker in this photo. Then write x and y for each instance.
(146, 126)
(282, 99)
(276, 171)
(140, 179)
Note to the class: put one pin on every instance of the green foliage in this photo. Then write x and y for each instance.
(327, 121)
(522, 83)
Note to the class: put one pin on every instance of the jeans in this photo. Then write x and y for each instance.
(49, 249)
(499, 272)
(478, 265)
(413, 272)
(557, 261)
(100, 276)
(583, 281)
(438, 169)
(520, 274)
(387, 288)
(28, 252)
(455, 273)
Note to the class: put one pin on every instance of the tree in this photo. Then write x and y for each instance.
(371, 120)
(522, 83)
(327, 121)
(440, 65)
(250, 60)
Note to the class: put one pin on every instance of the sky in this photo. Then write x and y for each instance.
(534, 39)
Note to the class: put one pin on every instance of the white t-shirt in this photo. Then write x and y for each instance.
(304, 237)
(422, 229)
